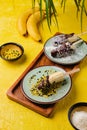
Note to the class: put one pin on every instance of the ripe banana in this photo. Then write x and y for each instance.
(32, 25)
(22, 21)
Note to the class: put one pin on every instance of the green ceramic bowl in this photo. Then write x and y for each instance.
(11, 51)
(78, 109)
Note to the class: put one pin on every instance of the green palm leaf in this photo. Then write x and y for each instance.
(50, 9)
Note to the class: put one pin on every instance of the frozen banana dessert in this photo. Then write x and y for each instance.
(48, 85)
(65, 46)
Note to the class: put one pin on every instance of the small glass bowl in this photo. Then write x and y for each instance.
(11, 51)
(78, 107)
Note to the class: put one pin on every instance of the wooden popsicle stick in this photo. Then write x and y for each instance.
(73, 71)
(80, 34)
(74, 37)
(59, 76)
(75, 44)
(66, 73)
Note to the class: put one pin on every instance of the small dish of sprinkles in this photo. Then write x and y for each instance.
(11, 51)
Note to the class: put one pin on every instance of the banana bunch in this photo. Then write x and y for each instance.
(28, 23)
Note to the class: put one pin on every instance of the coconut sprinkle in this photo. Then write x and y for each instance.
(79, 119)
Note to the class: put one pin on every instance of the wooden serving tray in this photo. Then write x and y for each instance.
(15, 93)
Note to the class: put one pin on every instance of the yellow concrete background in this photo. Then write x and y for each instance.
(14, 116)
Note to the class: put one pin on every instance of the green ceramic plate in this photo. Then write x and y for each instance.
(31, 79)
(80, 53)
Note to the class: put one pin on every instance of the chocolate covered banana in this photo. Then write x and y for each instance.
(59, 76)
(55, 77)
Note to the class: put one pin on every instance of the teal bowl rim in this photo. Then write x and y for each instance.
(76, 105)
(12, 43)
